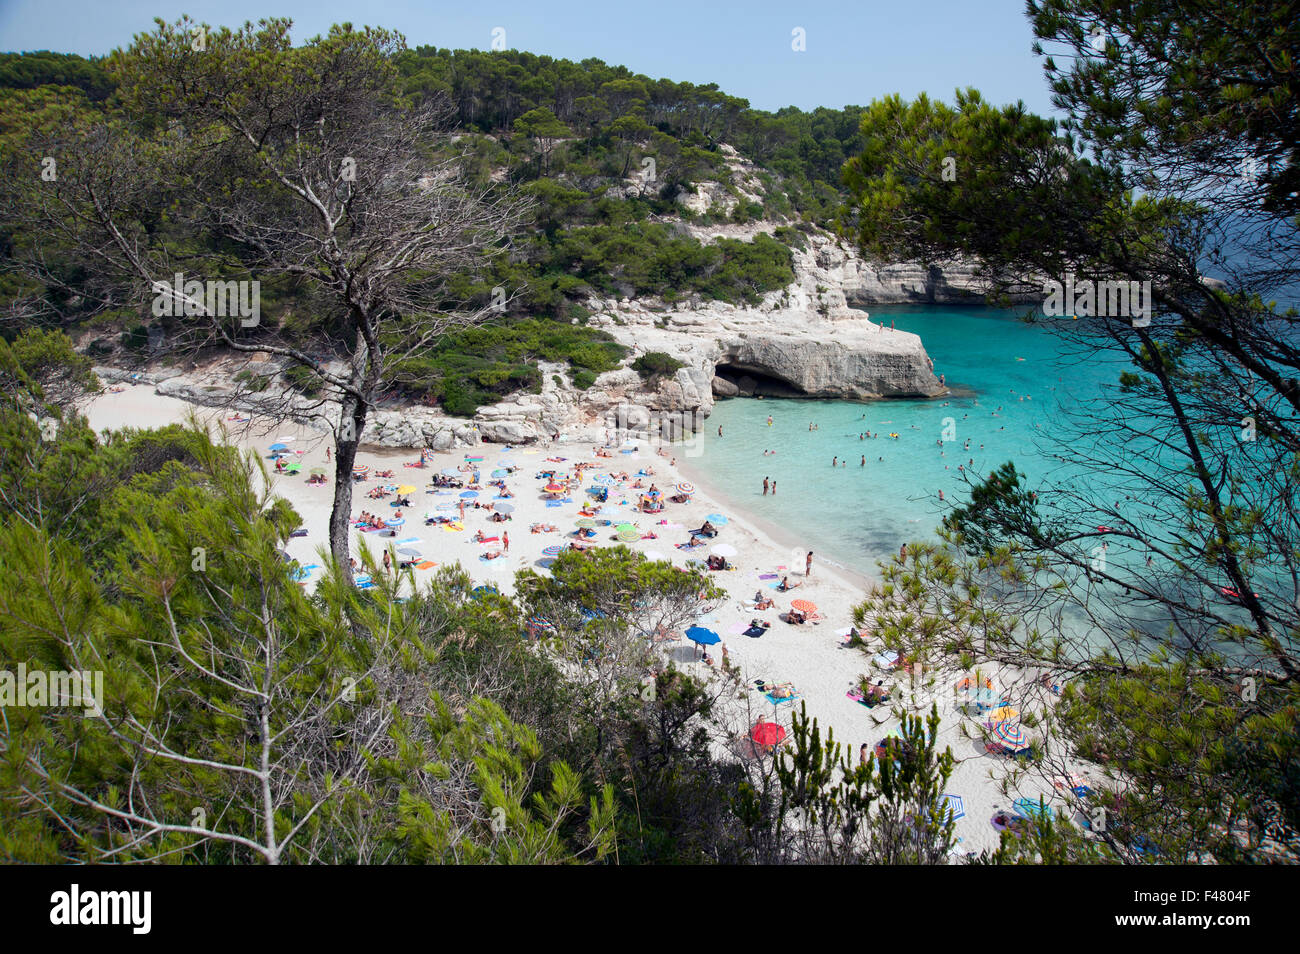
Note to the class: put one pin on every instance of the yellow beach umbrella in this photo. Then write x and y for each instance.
(406, 489)
(1003, 714)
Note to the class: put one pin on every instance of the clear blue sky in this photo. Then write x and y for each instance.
(856, 51)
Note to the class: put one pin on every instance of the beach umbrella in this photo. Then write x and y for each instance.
(450, 472)
(603, 479)
(504, 508)
(624, 526)
(553, 551)
(362, 469)
(553, 488)
(724, 550)
(406, 489)
(702, 637)
(279, 447)
(317, 472)
(500, 473)
(540, 623)
(466, 494)
(1032, 808)
(1003, 714)
(293, 468)
(395, 522)
(1011, 736)
(951, 806)
(686, 488)
(629, 536)
(409, 553)
(767, 733)
(481, 591)
(586, 523)
(804, 606)
(717, 518)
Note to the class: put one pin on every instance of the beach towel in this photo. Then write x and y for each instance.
(737, 628)
(426, 565)
(298, 533)
(555, 503)
(453, 526)
(753, 632)
(768, 576)
(777, 700)
(490, 540)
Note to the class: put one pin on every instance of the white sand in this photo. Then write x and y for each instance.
(812, 657)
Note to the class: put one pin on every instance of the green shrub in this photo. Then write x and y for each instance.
(654, 364)
(583, 379)
(302, 380)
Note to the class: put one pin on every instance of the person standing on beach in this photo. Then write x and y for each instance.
(902, 552)
(505, 542)
(327, 454)
(388, 562)
(764, 486)
(807, 567)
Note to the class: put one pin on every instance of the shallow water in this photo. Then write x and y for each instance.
(1010, 379)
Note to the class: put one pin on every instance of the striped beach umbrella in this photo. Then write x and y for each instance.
(586, 523)
(686, 488)
(1032, 808)
(394, 522)
(554, 551)
(629, 536)
(553, 488)
(951, 806)
(1011, 736)
(361, 469)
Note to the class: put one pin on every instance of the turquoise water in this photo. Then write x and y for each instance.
(1011, 381)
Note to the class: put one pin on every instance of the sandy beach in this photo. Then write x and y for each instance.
(813, 658)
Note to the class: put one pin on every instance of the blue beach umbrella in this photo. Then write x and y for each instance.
(276, 447)
(481, 591)
(717, 518)
(951, 806)
(500, 473)
(395, 522)
(469, 493)
(702, 636)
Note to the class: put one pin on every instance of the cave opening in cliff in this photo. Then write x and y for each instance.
(751, 383)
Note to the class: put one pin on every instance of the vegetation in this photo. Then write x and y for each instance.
(655, 364)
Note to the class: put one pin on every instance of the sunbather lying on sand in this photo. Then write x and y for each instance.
(795, 617)
(761, 602)
(543, 528)
(785, 584)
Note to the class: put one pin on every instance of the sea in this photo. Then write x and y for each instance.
(857, 499)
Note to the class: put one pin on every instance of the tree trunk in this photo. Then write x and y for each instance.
(352, 419)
